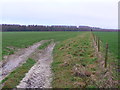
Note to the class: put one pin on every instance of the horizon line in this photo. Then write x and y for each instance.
(56, 25)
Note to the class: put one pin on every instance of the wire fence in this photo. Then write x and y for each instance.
(98, 44)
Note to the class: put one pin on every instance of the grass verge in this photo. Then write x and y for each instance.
(43, 46)
(73, 63)
(76, 65)
(16, 76)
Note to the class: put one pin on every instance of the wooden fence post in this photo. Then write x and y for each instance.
(98, 44)
(96, 41)
(106, 55)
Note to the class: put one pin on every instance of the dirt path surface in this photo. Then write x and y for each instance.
(17, 59)
(40, 76)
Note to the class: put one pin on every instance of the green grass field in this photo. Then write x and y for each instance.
(25, 39)
(112, 39)
(74, 50)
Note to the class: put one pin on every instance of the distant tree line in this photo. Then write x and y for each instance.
(14, 27)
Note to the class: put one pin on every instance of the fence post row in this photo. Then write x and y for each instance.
(106, 55)
(97, 40)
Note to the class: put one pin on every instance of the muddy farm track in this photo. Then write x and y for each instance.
(42, 67)
(40, 75)
(17, 59)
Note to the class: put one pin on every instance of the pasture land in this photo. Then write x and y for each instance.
(112, 39)
(13, 40)
(75, 61)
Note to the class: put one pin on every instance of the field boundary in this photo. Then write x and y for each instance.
(104, 66)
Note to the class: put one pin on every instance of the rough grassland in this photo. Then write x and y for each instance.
(13, 40)
(70, 54)
(76, 65)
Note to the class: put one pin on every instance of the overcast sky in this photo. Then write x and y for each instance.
(97, 13)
